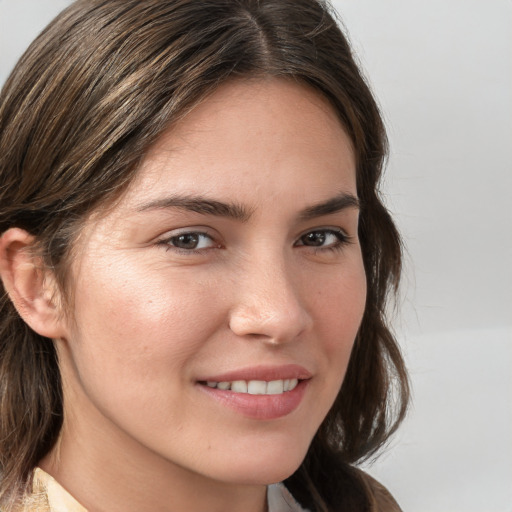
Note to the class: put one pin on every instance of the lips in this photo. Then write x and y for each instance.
(262, 393)
(264, 373)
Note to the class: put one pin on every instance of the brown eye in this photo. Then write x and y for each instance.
(187, 241)
(323, 238)
(190, 241)
(314, 239)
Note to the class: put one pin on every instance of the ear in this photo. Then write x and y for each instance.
(30, 286)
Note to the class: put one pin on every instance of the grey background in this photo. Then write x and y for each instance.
(442, 71)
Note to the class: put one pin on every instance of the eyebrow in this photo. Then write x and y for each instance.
(236, 211)
(200, 204)
(333, 205)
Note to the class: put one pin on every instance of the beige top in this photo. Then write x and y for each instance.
(49, 496)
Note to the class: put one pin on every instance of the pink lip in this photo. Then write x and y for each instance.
(260, 407)
(268, 373)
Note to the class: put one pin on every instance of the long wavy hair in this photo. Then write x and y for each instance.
(77, 115)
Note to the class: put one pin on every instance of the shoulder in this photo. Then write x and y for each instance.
(35, 500)
(346, 488)
(48, 496)
(379, 497)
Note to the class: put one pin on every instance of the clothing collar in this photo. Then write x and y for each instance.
(52, 497)
(280, 500)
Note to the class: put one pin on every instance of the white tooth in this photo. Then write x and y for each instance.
(275, 387)
(223, 385)
(286, 385)
(293, 384)
(239, 386)
(211, 384)
(257, 387)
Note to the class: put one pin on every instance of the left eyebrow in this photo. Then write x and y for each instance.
(333, 205)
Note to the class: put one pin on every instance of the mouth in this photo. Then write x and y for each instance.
(261, 393)
(255, 387)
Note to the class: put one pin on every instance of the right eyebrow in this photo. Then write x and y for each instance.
(200, 204)
(331, 206)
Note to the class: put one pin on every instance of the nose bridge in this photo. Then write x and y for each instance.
(268, 300)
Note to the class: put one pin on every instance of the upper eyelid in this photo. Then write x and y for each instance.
(188, 230)
(327, 229)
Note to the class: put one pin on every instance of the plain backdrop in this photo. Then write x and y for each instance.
(442, 71)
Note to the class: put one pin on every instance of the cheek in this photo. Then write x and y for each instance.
(339, 309)
(135, 329)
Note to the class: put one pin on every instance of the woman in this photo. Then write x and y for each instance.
(196, 263)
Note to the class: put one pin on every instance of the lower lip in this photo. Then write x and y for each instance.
(260, 407)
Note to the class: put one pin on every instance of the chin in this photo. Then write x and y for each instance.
(264, 467)
(262, 474)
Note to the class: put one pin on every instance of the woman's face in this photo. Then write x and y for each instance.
(230, 272)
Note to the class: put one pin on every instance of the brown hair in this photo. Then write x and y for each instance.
(89, 97)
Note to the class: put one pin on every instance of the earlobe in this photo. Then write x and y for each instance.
(30, 286)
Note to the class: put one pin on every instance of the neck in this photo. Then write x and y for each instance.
(106, 470)
(104, 483)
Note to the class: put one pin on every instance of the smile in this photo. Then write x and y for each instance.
(259, 392)
(256, 387)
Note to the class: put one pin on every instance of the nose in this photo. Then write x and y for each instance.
(269, 304)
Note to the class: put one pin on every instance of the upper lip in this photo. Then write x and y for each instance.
(266, 373)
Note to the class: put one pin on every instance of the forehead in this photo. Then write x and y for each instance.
(255, 140)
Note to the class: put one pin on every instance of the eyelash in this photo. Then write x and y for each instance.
(342, 240)
(168, 243)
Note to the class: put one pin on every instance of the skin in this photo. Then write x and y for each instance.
(149, 318)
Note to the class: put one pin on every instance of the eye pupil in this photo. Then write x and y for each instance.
(186, 241)
(315, 238)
